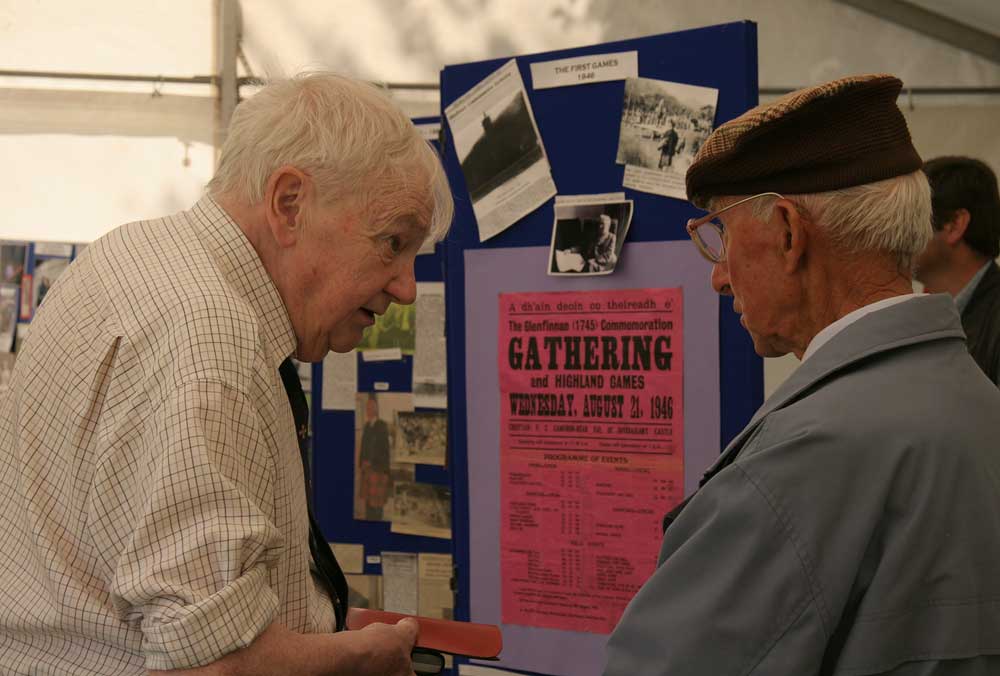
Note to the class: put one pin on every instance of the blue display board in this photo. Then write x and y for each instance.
(579, 126)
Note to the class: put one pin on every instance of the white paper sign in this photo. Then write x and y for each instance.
(340, 380)
(399, 582)
(585, 70)
(383, 354)
(590, 199)
(54, 249)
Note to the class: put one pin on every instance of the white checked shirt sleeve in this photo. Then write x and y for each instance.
(195, 570)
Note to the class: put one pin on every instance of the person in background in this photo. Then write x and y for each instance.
(853, 526)
(154, 511)
(601, 255)
(960, 258)
(668, 146)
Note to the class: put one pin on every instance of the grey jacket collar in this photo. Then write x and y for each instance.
(919, 320)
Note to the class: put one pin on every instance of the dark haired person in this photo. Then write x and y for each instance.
(960, 258)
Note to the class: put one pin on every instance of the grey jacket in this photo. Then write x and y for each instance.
(857, 530)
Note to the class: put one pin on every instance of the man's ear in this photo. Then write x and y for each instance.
(953, 230)
(794, 234)
(285, 203)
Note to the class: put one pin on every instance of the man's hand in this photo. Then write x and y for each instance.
(384, 649)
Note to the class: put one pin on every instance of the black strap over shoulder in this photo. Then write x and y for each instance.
(330, 575)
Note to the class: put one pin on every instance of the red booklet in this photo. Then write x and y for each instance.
(467, 639)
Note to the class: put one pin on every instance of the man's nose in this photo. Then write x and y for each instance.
(403, 287)
(720, 279)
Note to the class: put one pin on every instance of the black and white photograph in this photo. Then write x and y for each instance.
(506, 144)
(421, 437)
(587, 238)
(501, 152)
(422, 509)
(430, 394)
(663, 126)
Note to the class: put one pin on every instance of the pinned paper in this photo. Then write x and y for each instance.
(585, 70)
(500, 150)
(430, 362)
(351, 557)
(591, 449)
(340, 380)
(399, 582)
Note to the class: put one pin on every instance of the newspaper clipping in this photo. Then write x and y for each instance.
(430, 360)
(500, 150)
(340, 381)
(436, 599)
(591, 449)
(663, 126)
(400, 582)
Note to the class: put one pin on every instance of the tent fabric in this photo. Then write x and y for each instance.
(155, 153)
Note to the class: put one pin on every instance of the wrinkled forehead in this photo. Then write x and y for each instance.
(411, 205)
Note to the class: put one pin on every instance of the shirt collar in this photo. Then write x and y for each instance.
(242, 267)
(833, 329)
(963, 297)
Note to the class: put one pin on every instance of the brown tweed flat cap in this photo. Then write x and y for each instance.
(836, 135)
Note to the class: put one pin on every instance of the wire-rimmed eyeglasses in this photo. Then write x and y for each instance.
(709, 234)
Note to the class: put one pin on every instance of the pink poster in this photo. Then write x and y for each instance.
(592, 449)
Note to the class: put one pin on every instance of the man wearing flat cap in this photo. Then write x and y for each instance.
(853, 527)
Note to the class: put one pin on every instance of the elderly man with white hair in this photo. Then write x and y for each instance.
(154, 515)
(853, 527)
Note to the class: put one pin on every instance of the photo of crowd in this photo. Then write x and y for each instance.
(663, 126)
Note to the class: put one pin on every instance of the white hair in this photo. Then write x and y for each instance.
(892, 216)
(348, 136)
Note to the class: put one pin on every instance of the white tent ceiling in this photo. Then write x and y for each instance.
(83, 156)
